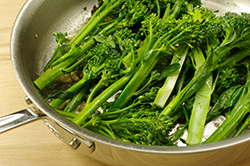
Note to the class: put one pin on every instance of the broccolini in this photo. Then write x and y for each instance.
(145, 66)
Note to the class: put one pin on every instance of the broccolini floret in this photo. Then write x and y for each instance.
(138, 123)
(125, 15)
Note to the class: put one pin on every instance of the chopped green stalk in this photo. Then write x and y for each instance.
(158, 77)
(100, 99)
(242, 127)
(201, 76)
(73, 89)
(104, 11)
(69, 115)
(174, 137)
(229, 125)
(183, 76)
(59, 50)
(97, 88)
(145, 68)
(103, 131)
(237, 57)
(175, 10)
(73, 104)
(201, 104)
(52, 73)
(165, 91)
(234, 117)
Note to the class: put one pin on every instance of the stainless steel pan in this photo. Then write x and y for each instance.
(32, 43)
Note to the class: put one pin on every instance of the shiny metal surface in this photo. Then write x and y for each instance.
(19, 118)
(236, 6)
(70, 138)
(32, 114)
(31, 46)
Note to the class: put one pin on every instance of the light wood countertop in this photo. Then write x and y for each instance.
(31, 144)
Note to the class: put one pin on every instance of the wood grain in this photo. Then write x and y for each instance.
(32, 144)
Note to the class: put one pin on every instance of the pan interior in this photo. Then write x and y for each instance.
(32, 44)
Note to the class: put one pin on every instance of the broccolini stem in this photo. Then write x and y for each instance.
(165, 91)
(100, 99)
(73, 89)
(242, 127)
(50, 74)
(98, 17)
(116, 113)
(229, 125)
(104, 133)
(73, 104)
(120, 121)
(172, 13)
(70, 54)
(109, 131)
(55, 71)
(53, 56)
(158, 8)
(97, 87)
(145, 68)
(201, 104)
(174, 137)
(176, 9)
(166, 13)
(234, 118)
(69, 115)
(195, 83)
(235, 58)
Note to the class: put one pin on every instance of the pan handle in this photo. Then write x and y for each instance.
(19, 118)
(32, 114)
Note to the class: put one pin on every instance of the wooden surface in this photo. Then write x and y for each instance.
(32, 144)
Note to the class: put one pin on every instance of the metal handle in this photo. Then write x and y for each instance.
(18, 118)
(32, 114)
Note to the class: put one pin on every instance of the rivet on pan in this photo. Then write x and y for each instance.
(28, 101)
(74, 143)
